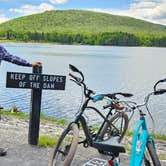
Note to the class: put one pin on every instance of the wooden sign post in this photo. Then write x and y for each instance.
(35, 81)
(34, 121)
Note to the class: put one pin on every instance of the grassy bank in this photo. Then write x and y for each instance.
(26, 116)
(161, 137)
(30, 42)
(46, 140)
(64, 122)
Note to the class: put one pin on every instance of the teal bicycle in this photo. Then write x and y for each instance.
(143, 145)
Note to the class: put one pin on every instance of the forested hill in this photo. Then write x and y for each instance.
(85, 27)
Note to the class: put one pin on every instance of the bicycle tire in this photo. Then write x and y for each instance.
(152, 151)
(104, 130)
(72, 147)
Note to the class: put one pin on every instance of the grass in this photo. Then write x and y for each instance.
(7, 41)
(51, 141)
(15, 114)
(46, 141)
(129, 133)
(30, 41)
(54, 120)
(22, 115)
(159, 136)
(128, 149)
(162, 156)
(155, 136)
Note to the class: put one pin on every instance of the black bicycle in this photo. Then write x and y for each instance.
(114, 125)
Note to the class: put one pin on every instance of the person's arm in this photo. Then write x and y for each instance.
(17, 60)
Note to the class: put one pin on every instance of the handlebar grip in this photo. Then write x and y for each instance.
(71, 75)
(163, 80)
(125, 94)
(160, 92)
(113, 95)
(76, 82)
(76, 78)
(160, 81)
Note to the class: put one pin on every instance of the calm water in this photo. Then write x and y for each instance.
(106, 69)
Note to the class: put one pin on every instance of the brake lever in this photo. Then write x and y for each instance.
(159, 91)
(75, 82)
(163, 80)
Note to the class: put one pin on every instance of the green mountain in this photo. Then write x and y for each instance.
(54, 25)
(81, 21)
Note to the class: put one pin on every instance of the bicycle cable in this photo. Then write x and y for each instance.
(147, 108)
(82, 98)
(153, 122)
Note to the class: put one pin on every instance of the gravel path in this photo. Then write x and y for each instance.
(14, 137)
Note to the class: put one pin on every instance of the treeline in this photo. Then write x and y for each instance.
(107, 38)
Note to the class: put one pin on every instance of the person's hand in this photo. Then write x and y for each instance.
(36, 64)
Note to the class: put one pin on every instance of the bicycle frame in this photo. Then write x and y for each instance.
(140, 139)
(82, 120)
(141, 136)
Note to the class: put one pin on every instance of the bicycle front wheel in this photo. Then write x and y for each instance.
(66, 147)
(117, 126)
(152, 156)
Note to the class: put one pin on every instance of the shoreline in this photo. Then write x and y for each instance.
(14, 132)
(54, 43)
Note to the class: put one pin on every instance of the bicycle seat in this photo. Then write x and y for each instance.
(110, 146)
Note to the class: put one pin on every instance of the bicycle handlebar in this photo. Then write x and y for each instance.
(80, 81)
(159, 91)
(73, 68)
(113, 95)
(160, 81)
(110, 96)
(77, 79)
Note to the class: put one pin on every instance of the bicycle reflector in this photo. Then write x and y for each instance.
(111, 163)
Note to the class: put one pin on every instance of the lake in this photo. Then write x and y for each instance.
(106, 69)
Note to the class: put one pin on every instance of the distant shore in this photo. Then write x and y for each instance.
(73, 44)
(29, 42)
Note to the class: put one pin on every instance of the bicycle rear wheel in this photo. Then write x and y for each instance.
(151, 159)
(66, 147)
(117, 126)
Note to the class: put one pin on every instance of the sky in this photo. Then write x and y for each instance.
(149, 10)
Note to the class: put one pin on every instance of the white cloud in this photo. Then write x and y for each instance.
(58, 1)
(32, 9)
(149, 10)
(3, 18)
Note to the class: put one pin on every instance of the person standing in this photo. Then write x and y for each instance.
(6, 56)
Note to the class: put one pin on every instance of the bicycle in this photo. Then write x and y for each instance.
(141, 138)
(66, 146)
